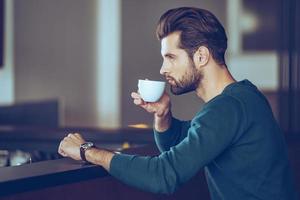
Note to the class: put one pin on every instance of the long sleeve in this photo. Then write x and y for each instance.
(174, 135)
(211, 131)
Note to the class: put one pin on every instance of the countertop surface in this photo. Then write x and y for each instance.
(45, 174)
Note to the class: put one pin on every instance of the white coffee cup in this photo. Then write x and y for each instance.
(151, 91)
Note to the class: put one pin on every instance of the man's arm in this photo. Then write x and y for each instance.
(172, 136)
(168, 131)
(210, 133)
(162, 122)
(161, 110)
(99, 157)
(164, 173)
(70, 147)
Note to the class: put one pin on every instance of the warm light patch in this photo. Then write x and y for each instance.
(139, 126)
(125, 145)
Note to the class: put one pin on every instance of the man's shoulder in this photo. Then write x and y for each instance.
(222, 105)
(223, 100)
(243, 91)
(224, 112)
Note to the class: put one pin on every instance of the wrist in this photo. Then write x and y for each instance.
(84, 147)
(91, 156)
(162, 124)
(99, 157)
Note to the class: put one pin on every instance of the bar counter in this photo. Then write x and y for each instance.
(68, 179)
(45, 174)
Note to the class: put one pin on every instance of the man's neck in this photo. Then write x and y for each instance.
(215, 79)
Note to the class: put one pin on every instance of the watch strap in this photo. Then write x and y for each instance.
(83, 149)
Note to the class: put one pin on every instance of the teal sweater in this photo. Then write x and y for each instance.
(234, 137)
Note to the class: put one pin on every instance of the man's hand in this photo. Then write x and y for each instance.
(70, 146)
(161, 110)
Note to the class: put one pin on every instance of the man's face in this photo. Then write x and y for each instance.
(178, 68)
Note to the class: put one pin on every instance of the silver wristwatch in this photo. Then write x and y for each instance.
(84, 147)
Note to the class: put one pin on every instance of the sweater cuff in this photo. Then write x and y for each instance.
(119, 164)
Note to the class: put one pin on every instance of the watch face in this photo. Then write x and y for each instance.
(87, 145)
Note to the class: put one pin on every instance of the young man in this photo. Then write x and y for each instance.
(234, 137)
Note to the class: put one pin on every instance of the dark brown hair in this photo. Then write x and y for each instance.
(198, 27)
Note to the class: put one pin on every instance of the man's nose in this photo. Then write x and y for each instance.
(163, 69)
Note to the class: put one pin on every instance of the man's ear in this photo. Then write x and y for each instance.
(201, 56)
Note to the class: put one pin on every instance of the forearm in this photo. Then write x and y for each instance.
(163, 122)
(173, 135)
(147, 173)
(99, 157)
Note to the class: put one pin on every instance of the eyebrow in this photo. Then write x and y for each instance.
(169, 55)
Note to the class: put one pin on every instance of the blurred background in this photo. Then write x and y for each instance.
(71, 65)
(74, 63)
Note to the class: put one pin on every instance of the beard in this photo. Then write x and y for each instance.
(188, 83)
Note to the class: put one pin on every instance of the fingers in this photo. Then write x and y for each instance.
(153, 107)
(62, 153)
(60, 149)
(135, 95)
(73, 135)
(75, 138)
(138, 102)
(78, 135)
(137, 99)
(70, 139)
(149, 107)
